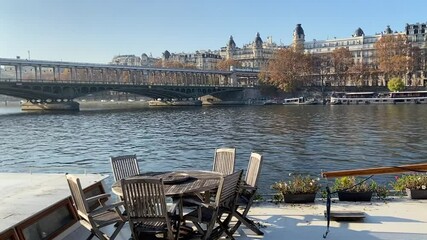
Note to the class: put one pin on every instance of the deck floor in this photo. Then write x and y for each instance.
(398, 218)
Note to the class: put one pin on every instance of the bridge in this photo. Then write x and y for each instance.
(56, 83)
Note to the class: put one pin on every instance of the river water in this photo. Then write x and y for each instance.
(292, 139)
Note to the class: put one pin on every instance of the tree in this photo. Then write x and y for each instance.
(393, 55)
(174, 64)
(321, 67)
(287, 69)
(396, 84)
(360, 73)
(225, 64)
(341, 62)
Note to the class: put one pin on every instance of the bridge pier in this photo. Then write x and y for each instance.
(50, 106)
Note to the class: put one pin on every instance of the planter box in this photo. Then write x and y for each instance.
(300, 198)
(417, 193)
(354, 196)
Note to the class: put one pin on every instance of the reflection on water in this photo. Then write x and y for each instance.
(292, 139)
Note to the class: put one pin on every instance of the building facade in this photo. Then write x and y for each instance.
(132, 60)
(254, 55)
(362, 48)
(205, 60)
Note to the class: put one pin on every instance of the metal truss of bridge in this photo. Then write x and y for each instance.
(53, 82)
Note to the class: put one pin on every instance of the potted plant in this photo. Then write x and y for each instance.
(300, 189)
(415, 185)
(353, 189)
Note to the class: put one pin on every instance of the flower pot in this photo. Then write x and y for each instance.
(417, 193)
(354, 196)
(300, 198)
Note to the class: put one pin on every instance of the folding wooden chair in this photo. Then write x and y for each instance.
(224, 160)
(124, 166)
(145, 204)
(211, 213)
(247, 194)
(98, 218)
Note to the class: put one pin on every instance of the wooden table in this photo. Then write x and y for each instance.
(198, 181)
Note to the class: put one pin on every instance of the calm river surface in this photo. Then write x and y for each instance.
(292, 139)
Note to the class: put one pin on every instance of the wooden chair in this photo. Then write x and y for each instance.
(224, 160)
(211, 213)
(247, 193)
(124, 166)
(145, 204)
(98, 218)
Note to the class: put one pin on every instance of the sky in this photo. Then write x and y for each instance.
(94, 31)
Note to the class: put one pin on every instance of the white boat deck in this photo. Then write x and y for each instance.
(25, 194)
(395, 218)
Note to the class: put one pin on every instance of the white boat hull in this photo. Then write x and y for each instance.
(382, 100)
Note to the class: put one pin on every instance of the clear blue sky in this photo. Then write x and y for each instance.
(96, 30)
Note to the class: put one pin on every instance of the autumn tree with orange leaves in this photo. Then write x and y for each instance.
(225, 64)
(341, 62)
(174, 64)
(288, 69)
(393, 55)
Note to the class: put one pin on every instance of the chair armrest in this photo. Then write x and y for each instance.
(248, 187)
(105, 208)
(97, 197)
(200, 204)
(171, 207)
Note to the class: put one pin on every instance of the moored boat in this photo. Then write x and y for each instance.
(175, 102)
(379, 98)
(299, 101)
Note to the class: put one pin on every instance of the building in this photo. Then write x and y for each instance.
(205, 60)
(254, 55)
(132, 60)
(362, 48)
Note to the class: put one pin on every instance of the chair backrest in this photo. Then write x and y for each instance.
(77, 194)
(253, 170)
(145, 201)
(224, 160)
(124, 166)
(228, 189)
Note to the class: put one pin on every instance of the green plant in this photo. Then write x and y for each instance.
(395, 84)
(352, 184)
(411, 181)
(297, 185)
(381, 191)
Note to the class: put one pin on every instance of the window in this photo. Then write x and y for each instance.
(49, 223)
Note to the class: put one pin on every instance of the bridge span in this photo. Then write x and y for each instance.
(54, 84)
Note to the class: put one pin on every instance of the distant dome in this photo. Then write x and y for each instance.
(358, 33)
(388, 30)
(298, 30)
(166, 54)
(231, 43)
(258, 41)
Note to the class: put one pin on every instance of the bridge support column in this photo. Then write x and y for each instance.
(50, 106)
